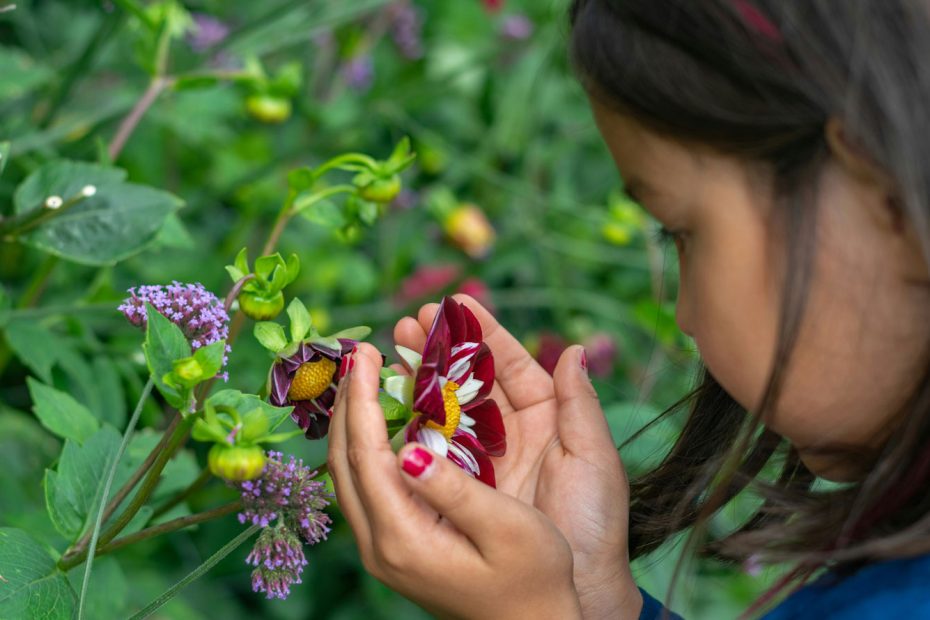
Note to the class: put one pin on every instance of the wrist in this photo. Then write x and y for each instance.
(614, 597)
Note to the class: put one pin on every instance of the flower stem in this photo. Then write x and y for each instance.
(201, 481)
(129, 124)
(196, 573)
(151, 479)
(171, 526)
(98, 521)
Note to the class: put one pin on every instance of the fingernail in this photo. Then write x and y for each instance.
(343, 367)
(351, 362)
(417, 462)
(584, 360)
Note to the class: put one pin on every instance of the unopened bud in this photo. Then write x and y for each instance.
(88, 190)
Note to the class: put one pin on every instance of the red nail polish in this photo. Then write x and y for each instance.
(584, 360)
(343, 367)
(417, 461)
(351, 363)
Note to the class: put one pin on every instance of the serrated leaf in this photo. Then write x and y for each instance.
(271, 336)
(73, 490)
(32, 587)
(165, 344)
(301, 322)
(35, 346)
(60, 413)
(118, 221)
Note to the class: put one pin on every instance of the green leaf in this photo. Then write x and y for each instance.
(202, 431)
(301, 179)
(301, 322)
(60, 413)
(241, 263)
(271, 336)
(21, 74)
(393, 408)
(6, 304)
(246, 403)
(211, 357)
(281, 437)
(74, 489)
(353, 333)
(32, 587)
(325, 213)
(108, 593)
(330, 342)
(119, 220)
(34, 345)
(165, 344)
(4, 155)
(265, 266)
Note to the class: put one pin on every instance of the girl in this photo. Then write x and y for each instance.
(784, 146)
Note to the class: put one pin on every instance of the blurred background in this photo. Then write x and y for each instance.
(513, 199)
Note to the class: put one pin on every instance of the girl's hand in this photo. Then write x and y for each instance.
(426, 529)
(560, 459)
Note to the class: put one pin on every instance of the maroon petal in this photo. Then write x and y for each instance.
(485, 466)
(483, 368)
(327, 399)
(461, 361)
(437, 340)
(455, 318)
(318, 427)
(311, 418)
(320, 350)
(427, 395)
(280, 384)
(473, 327)
(489, 427)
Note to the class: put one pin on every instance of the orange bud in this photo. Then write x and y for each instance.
(469, 229)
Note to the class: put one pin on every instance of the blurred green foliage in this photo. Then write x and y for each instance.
(229, 97)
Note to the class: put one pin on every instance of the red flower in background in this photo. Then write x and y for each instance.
(493, 5)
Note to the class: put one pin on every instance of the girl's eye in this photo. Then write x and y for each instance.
(664, 236)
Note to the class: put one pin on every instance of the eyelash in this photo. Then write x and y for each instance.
(664, 236)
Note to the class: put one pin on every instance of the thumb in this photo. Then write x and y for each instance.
(581, 422)
(463, 500)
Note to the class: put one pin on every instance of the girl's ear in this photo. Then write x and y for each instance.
(861, 167)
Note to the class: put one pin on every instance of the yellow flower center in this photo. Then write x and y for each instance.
(312, 379)
(453, 411)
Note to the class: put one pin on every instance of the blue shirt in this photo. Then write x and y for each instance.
(893, 589)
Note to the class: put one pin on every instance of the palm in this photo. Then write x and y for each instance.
(579, 493)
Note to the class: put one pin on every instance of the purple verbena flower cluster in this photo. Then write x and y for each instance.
(279, 560)
(518, 27)
(407, 29)
(289, 504)
(359, 72)
(207, 31)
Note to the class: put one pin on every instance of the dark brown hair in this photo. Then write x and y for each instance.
(760, 80)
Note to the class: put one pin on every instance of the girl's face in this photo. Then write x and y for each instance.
(863, 337)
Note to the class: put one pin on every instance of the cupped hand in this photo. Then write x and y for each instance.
(457, 547)
(560, 458)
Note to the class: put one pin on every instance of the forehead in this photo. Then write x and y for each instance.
(643, 156)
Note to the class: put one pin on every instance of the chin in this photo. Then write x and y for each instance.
(833, 466)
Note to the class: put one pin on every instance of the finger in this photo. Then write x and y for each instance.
(349, 502)
(371, 460)
(470, 505)
(409, 333)
(582, 427)
(522, 380)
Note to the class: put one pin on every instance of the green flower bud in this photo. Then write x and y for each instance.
(268, 109)
(259, 307)
(381, 190)
(236, 463)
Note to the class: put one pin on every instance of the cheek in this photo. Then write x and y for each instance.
(729, 297)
